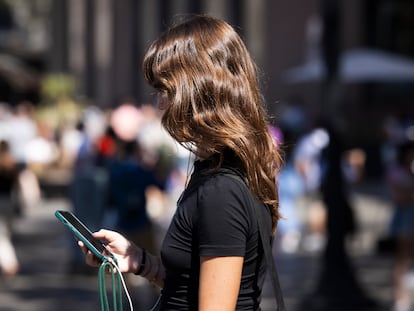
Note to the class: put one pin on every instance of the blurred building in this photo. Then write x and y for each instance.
(23, 41)
(102, 42)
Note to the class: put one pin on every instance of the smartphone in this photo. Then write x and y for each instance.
(82, 233)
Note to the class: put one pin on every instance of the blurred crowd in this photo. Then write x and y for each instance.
(123, 171)
(315, 197)
(119, 167)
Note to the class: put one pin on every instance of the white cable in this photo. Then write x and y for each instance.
(131, 307)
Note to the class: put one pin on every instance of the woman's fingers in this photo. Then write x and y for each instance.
(107, 235)
(90, 258)
(82, 247)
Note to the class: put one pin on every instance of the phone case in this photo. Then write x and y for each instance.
(83, 234)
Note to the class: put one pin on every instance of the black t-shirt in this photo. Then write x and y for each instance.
(214, 217)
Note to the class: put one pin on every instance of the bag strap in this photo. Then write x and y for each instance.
(270, 261)
(266, 242)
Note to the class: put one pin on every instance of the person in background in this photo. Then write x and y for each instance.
(9, 263)
(400, 180)
(211, 256)
(88, 193)
(129, 182)
(291, 189)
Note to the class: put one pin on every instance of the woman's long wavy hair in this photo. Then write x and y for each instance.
(213, 103)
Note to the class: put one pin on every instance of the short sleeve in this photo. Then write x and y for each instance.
(223, 220)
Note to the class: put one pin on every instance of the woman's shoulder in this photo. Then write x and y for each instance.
(226, 190)
(227, 178)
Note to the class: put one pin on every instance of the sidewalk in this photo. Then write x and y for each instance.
(299, 272)
(44, 285)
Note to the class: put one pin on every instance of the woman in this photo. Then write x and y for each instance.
(211, 257)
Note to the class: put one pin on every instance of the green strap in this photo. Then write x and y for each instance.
(116, 284)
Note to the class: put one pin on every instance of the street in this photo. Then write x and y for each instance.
(43, 283)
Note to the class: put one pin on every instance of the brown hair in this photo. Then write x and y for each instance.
(209, 81)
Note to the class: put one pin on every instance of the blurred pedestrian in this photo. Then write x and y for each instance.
(291, 189)
(308, 162)
(9, 263)
(88, 191)
(400, 180)
(338, 287)
(129, 182)
(211, 257)
(22, 120)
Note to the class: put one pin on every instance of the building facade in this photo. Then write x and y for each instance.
(102, 43)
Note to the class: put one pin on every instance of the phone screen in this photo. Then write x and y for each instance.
(82, 232)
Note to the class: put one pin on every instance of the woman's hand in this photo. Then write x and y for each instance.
(126, 253)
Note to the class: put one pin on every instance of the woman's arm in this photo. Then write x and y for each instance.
(219, 283)
(154, 270)
(129, 257)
